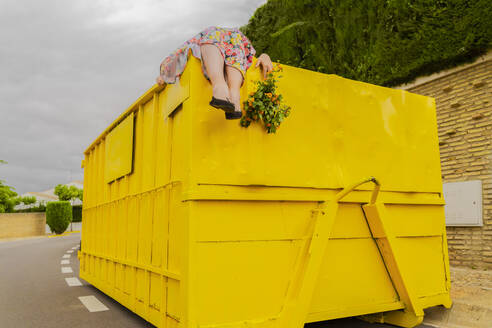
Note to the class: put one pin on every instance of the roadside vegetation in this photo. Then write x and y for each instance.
(9, 198)
(58, 216)
(384, 42)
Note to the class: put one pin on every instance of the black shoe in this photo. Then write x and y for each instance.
(234, 115)
(225, 105)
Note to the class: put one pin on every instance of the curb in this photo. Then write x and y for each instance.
(64, 234)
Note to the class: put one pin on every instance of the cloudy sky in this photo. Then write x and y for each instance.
(68, 68)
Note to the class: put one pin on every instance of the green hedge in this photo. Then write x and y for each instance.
(77, 213)
(58, 216)
(39, 208)
(382, 42)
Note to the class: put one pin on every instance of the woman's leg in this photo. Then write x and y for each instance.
(214, 64)
(234, 81)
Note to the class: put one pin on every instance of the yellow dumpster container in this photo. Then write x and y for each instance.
(193, 221)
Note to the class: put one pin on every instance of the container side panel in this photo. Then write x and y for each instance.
(118, 154)
(177, 250)
(350, 223)
(222, 221)
(423, 263)
(86, 180)
(148, 143)
(102, 224)
(98, 172)
(176, 229)
(136, 177)
(243, 280)
(358, 264)
(354, 130)
(163, 153)
(155, 299)
(416, 220)
(92, 178)
(173, 299)
(111, 223)
(178, 150)
(145, 228)
(142, 293)
(121, 230)
(126, 250)
(249, 252)
(160, 229)
(131, 250)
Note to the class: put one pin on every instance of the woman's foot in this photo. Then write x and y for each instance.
(236, 114)
(236, 99)
(233, 115)
(220, 98)
(221, 91)
(234, 82)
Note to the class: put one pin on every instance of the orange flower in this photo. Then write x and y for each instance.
(269, 125)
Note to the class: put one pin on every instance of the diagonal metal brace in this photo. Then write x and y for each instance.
(380, 226)
(301, 291)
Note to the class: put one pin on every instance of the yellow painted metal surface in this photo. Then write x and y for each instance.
(119, 150)
(222, 226)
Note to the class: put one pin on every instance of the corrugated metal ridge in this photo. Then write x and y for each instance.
(133, 107)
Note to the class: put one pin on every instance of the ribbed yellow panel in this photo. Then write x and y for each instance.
(213, 227)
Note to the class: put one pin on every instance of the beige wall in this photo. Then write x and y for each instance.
(22, 224)
(464, 117)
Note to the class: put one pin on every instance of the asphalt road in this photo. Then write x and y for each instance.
(34, 292)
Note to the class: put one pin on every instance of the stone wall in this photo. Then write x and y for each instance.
(22, 224)
(464, 116)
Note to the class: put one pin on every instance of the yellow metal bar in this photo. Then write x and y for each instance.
(380, 226)
(149, 268)
(276, 193)
(349, 189)
(295, 312)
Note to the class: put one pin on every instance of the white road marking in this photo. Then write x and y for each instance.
(65, 262)
(66, 270)
(66, 256)
(93, 304)
(70, 251)
(75, 247)
(73, 282)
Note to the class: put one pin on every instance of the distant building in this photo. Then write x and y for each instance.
(42, 197)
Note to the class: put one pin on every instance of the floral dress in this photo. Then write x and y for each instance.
(234, 46)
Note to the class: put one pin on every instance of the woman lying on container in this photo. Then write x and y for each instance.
(216, 46)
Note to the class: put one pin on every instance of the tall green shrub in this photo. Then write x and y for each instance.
(58, 216)
(385, 42)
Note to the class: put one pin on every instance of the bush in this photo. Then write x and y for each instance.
(39, 208)
(58, 216)
(77, 213)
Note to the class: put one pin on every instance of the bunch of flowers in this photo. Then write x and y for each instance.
(265, 104)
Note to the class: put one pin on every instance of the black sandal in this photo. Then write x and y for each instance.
(234, 115)
(225, 105)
